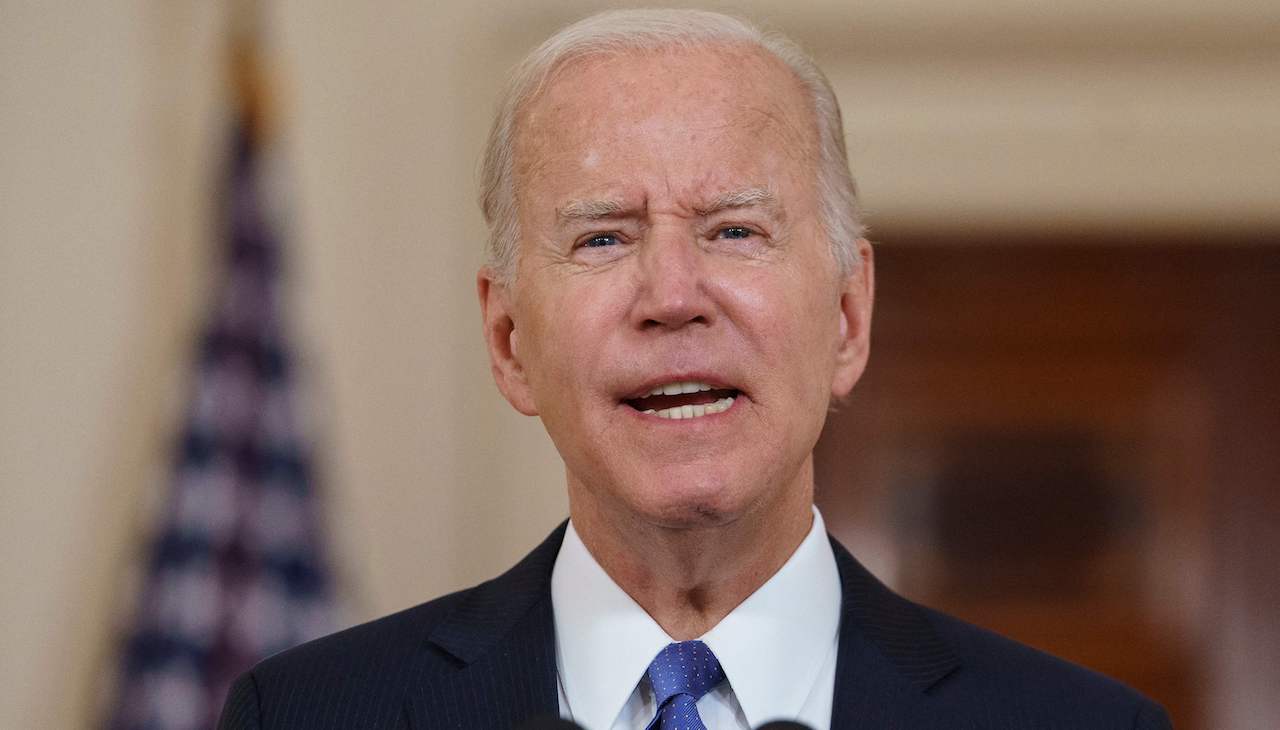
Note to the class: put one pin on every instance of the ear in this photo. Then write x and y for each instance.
(502, 341)
(857, 293)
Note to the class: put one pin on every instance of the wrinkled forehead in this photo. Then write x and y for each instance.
(613, 102)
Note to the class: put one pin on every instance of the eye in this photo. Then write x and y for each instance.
(601, 240)
(735, 232)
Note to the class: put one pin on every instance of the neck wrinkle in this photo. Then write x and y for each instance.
(689, 578)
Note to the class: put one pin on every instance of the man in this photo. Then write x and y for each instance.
(678, 287)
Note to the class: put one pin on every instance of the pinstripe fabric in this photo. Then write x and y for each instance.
(901, 666)
(485, 658)
(481, 658)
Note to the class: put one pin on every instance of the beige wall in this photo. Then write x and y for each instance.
(1145, 114)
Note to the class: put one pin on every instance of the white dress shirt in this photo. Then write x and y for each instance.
(777, 648)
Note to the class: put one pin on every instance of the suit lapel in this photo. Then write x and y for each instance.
(492, 660)
(889, 652)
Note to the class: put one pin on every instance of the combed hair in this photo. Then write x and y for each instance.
(621, 31)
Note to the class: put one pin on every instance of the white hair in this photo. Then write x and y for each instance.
(620, 31)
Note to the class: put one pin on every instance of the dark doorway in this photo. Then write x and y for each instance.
(1075, 443)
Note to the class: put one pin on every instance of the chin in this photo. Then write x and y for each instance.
(683, 501)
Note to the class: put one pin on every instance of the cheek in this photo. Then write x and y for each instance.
(789, 314)
(796, 330)
(570, 330)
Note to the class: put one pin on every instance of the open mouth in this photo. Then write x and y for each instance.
(684, 400)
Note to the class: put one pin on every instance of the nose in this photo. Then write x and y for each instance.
(672, 292)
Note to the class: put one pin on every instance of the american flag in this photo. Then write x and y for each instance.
(235, 571)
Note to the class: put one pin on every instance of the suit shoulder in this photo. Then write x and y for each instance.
(356, 675)
(997, 667)
(361, 677)
(389, 639)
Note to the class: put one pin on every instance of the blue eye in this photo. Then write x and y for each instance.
(736, 232)
(600, 240)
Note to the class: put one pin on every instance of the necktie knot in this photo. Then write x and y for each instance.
(680, 675)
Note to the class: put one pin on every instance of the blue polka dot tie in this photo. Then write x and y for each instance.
(681, 674)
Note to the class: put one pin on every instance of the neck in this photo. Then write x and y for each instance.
(690, 577)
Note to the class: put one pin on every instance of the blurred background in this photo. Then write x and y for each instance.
(1069, 431)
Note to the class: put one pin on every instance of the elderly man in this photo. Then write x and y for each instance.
(677, 285)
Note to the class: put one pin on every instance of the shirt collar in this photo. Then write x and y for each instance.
(772, 646)
(604, 639)
(775, 643)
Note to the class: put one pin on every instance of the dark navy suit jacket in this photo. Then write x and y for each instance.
(486, 658)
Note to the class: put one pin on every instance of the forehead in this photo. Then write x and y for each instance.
(692, 116)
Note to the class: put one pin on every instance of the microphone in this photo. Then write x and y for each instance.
(559, 723)
(550, 722)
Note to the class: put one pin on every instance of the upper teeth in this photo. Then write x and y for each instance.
(678, 388)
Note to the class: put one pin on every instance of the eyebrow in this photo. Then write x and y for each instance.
(744, 198)
(591, 210)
